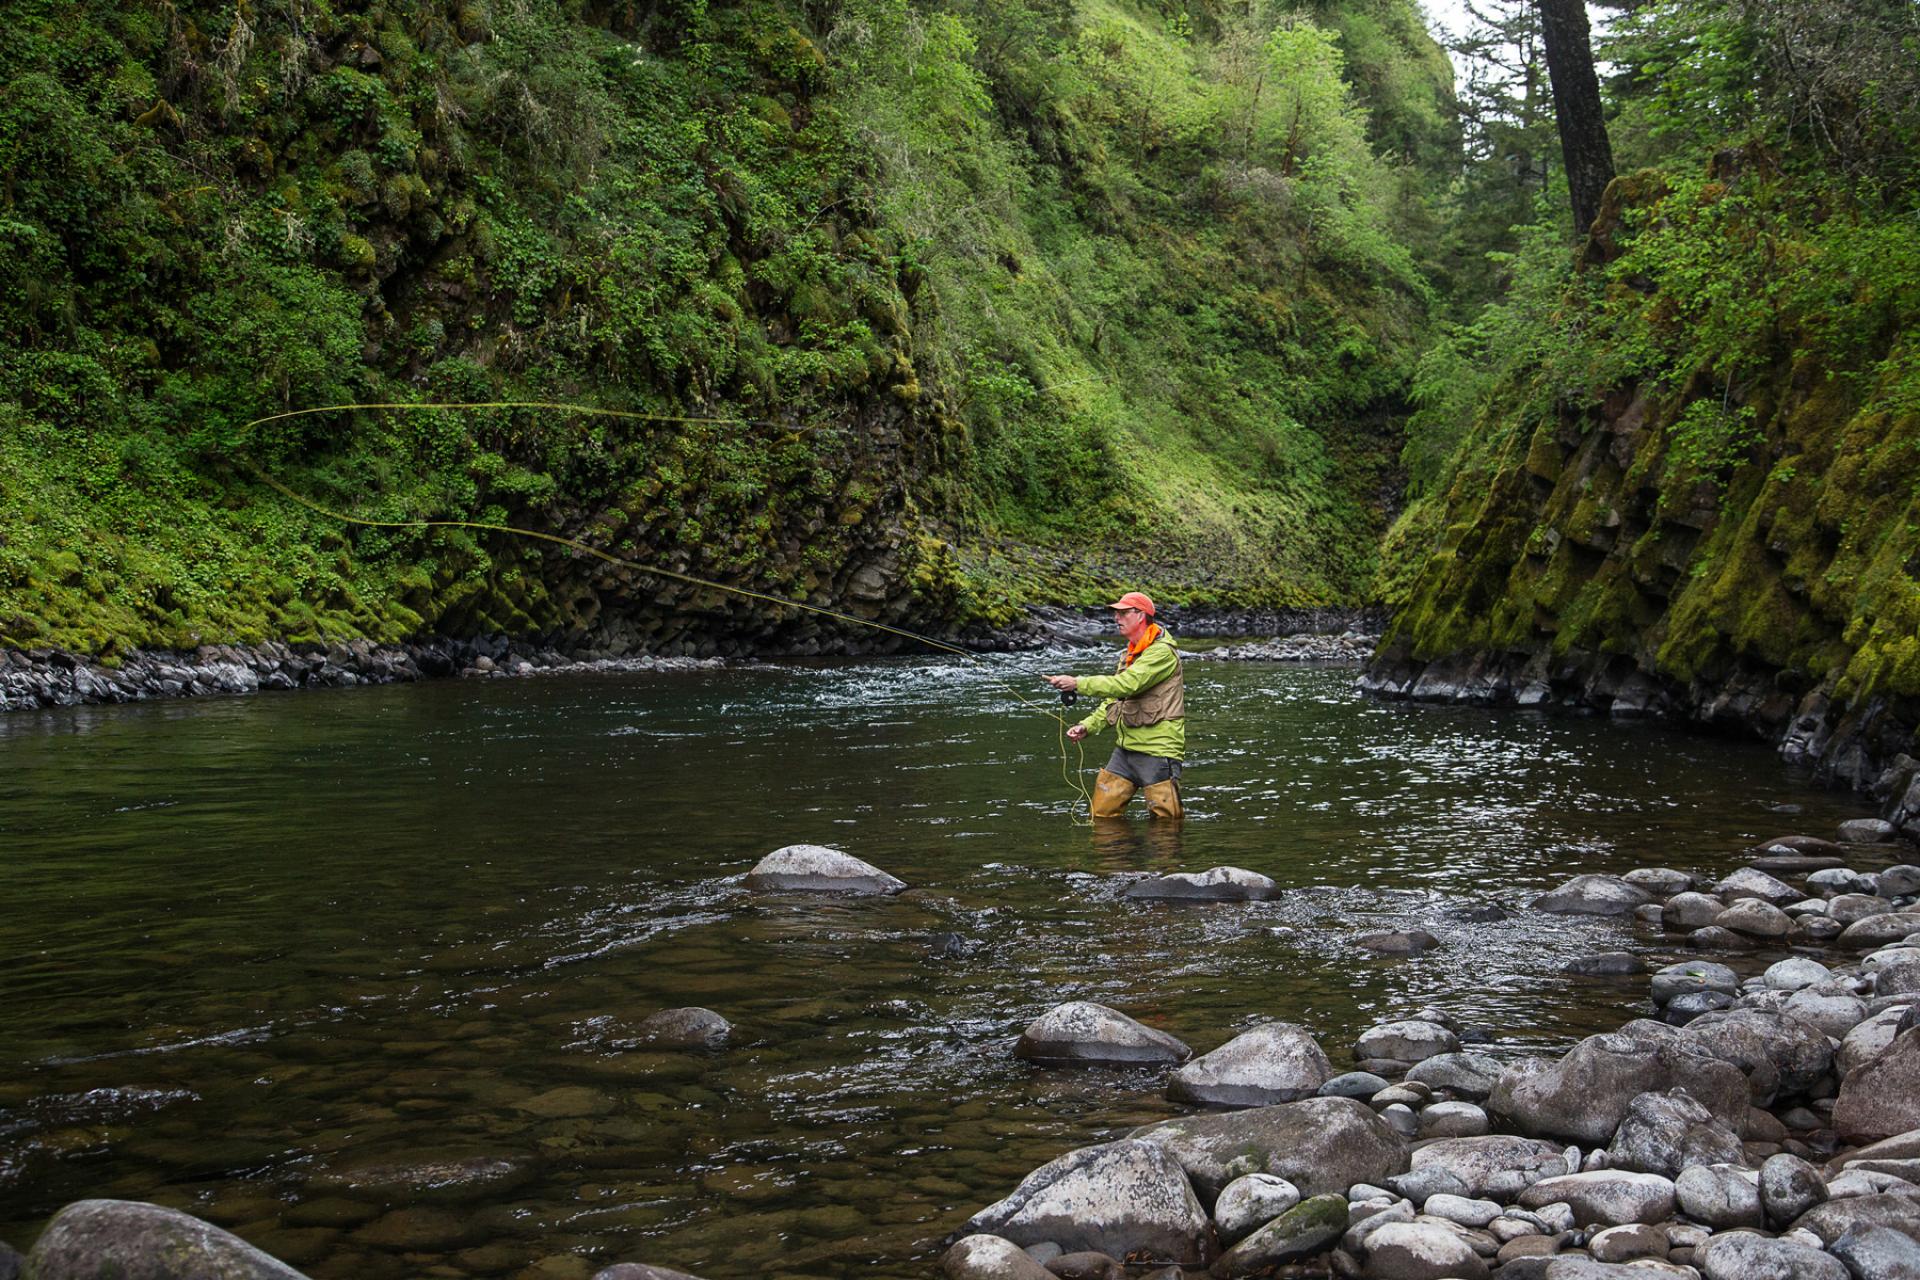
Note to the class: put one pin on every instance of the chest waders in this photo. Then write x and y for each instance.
(1159, 781)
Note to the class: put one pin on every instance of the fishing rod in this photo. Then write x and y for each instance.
(1073, 777)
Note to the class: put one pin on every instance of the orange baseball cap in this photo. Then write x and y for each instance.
(1134, 600)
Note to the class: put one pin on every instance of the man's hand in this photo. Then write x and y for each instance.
(1076, 733)
(1065, 684)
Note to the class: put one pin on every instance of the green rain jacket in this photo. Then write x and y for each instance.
(1155, 663)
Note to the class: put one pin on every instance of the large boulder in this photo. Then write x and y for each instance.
(1685, 912)
(1125, 1198)
(1878, 1253)
(1421, 1251)
(1594, 895)
(1869, 1038)
(1319, 1144)
(130, 1240)
(1664, 1133)
(1274, 1062)
(1834, 1218)
(1723, 1196)
(1742, 1255)
(1780, 1055)
(1882, 1097)
(1082, 1031)
(1497, 1165)
(1216, 884)
(1607, 1196)
(1310, 1227)
(1585, 1095)
(1409, 1040)
(814, 868)
(1879, 931)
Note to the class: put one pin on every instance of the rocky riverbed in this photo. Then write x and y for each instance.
(1761, 1120)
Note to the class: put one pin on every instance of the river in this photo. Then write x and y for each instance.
(254, 948)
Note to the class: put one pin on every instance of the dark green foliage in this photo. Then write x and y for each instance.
(1016, 274)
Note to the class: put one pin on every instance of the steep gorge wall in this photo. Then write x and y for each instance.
(1586, 559)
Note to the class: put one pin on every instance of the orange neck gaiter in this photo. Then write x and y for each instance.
(1139, 646)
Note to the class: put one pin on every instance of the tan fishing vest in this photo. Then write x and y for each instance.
(1166, 700)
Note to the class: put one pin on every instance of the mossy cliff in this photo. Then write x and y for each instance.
(1698, 492)
(942, 308)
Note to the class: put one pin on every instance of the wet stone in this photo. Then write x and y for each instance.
(1084, 1032)
(92, 1239)
(416, 1229)
(1796, 973)
(1470, 1075)
(1274, 1062)
(1693, 976)
(449, 1178)
(1398, 942)
(1252, 1202)
(1595, 895)
(1128, 1198)
(1685, 912)
(1216, 884)
(1684, 1009)
(688, 1028)
(1408, 1041)
(1755, 919)
(1353, 1084)
(812, 868)
(1662, 882)
(1752, 883)
(1319, 1145)
(1606, 964)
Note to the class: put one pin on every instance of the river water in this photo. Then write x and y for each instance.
(256, 949)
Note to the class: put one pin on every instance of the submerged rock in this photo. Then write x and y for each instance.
(129, 1240)
(1319, 1145)
(813, 868)
(1217, 884)
(1128, 1198)
(1084, 1032)
(1398, 942)
(640, 1271)
(1594, 895)
(688, 1028)
(1274, 1062)
(451, 1178)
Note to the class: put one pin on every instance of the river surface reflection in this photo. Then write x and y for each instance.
(256, 949)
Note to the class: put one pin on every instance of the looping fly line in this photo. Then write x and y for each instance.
(1074, 777)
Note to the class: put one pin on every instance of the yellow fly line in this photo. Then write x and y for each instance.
(1073, 776)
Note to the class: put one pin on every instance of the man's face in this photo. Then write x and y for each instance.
(1130, 622)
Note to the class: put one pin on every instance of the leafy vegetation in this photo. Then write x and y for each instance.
(1139, 287)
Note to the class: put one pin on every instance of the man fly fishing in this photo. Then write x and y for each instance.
(1145, 702)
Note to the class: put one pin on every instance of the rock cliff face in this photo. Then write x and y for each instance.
(1580, 563)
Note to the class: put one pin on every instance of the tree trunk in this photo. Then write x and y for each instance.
(1576, 107)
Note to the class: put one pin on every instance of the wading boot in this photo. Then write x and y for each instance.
(1163, 799)
(1110, 795)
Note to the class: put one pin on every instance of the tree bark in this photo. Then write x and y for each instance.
(1576, 107)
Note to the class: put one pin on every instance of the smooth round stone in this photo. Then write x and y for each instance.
(116, 1238)
(1853, 907)
(1796, 973)
(1302, 1231)
(1453, 1120)
(1751, 883)
(1755, 918)
(1624, 1244)
(1468, 1213)
(1607, 1196)
(1662, 882)
(1902, 881)
(1398, 942)
(1866, 831)
(1418, 1185)
(1723, 1196)
(1715, 938)
(1741, 1255)
(1835, 881)
(1693, 976)
(1878, 931)
(1471, 1075)
(1684, 1009)
(1593, 895)
(1408, 1041)
(1878, 1253)
(1274, 1062)
(1685, 912)
(1081, 1031)
(1249, 1203)
(987, 1257)
(1355, 1084)
(1421, 1251)
(1789, 1186)
(813, 868)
